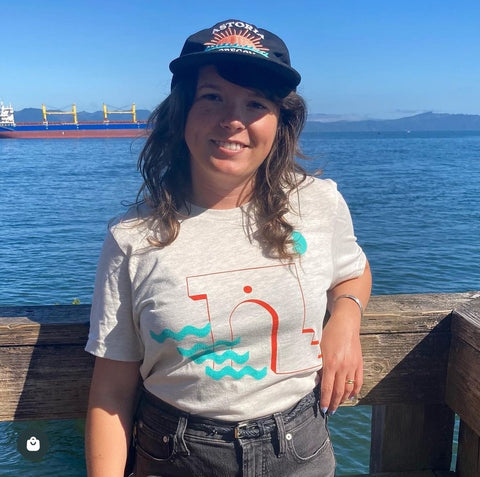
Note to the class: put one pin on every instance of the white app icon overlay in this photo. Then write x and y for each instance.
(33, 444)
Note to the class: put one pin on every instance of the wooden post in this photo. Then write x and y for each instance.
(412, 428)
(411, 437)
(468, 457)
(463, 385)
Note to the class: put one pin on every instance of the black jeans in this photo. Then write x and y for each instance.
(171, 443)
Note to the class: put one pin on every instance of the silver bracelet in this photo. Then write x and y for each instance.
(355, 299)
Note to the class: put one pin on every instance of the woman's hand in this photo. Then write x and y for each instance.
(342, 373)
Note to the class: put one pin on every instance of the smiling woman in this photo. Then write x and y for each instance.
(229, 132)
(211, 291)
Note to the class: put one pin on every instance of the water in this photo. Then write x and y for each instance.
(413, 197)
(415, 204)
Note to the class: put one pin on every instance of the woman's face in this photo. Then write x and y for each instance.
(229, 132)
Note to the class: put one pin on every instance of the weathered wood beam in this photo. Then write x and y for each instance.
(463, 377)
(417, 433)
(405, 341)
(463, 385)
(44, 371)
(45, 374)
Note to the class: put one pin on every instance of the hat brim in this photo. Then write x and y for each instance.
(265, 71)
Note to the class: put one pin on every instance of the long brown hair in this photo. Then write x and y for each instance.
(165, 166)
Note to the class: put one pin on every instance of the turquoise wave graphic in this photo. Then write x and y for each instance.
(236, 374)
(182, 334)
(221, 358)
(202, 348)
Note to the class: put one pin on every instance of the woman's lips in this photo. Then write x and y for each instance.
(230, 145)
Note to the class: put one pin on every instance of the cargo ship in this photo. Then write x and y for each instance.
(73, 129)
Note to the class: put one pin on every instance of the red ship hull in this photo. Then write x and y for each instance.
(69, 131)
(72, 134)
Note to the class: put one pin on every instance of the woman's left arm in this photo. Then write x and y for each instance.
(340, 344)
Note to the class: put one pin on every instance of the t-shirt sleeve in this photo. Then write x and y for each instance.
(113, 333)
(349, 259)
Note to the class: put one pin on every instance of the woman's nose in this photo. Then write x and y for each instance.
(232, 118)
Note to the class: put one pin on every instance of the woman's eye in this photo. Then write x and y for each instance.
(210, 97)
(257, 105)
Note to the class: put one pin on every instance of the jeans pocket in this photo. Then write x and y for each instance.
(154, 444)
(310, 439)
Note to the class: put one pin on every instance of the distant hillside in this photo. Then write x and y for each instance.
(419, 122)
(32, 115)
(316, 123)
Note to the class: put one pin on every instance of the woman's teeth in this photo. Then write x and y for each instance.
(232, 146)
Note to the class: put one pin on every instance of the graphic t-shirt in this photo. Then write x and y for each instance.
(222, 329)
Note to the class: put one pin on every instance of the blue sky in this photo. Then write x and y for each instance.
(376, 59)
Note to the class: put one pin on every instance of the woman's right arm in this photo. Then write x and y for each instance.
(109, 423)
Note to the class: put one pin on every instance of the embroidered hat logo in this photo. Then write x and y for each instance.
(237, 40)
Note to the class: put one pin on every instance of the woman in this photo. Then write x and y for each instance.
(211, 293)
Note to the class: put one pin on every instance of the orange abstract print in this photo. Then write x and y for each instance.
(233, 37)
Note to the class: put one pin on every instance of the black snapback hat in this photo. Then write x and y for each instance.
(235, 42)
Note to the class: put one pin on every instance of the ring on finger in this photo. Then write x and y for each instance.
(350, 381)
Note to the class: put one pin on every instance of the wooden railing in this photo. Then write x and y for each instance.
(422, 365)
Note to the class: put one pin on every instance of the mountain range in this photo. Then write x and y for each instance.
(33, 115)
(419, 122)
(316, 122)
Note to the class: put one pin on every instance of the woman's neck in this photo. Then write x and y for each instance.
(221, 196)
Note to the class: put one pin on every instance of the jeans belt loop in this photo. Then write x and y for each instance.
(180, 446)
(281, 434)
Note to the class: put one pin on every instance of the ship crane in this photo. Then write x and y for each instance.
(73, 112)
(128, 111)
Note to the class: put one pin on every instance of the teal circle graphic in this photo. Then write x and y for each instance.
(299, 243)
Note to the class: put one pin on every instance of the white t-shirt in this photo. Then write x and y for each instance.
(222, 330)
